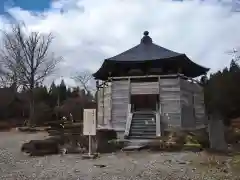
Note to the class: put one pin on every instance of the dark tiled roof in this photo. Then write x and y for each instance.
(145, 51)
(148, 52)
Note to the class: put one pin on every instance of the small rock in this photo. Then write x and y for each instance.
(100, 165)
(182, 162)
(225, 170)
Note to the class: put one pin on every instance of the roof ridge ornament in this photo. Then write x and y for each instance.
(146, 39)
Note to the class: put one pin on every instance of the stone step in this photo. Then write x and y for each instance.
(143, 124)
(142, 119)
(143, 116)
(142, 137)
(141, 133)
(144, 112)
(133, 148)
(143, 127)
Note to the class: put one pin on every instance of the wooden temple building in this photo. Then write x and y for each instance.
(148, 90)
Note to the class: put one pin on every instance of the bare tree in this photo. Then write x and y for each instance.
(2, 81)
(9, 56)
(26, 59)
(84, 78)
(235, 54)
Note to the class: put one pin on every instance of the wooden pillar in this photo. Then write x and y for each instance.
(158, 112)
(129, 89)
(129, 112)
(97, 87)
(180, 102)
(111, 99)
(103, 109)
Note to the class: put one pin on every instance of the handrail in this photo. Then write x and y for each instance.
(158, 123)
(129, 121)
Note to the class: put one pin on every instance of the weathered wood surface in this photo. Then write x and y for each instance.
(100, 106)
(199, 109)
(170, 103)
(181, 102)
(129, 121)
(120, 101)
(107, 104)
(187, 106)
(104, 105)
(144, 88)
(190, 86)
(192, 102)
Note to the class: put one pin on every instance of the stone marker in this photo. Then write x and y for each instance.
(216, 135)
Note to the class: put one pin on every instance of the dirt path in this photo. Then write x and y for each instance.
(14, 165)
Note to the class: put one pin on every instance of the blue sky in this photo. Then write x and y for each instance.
(88, 31)
(33, 5)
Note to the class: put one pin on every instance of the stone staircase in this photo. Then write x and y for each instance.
(143, 125)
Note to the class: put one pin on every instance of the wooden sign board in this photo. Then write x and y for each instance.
(89, 122)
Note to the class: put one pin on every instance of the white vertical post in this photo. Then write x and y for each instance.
(89, 145)
(89, 127)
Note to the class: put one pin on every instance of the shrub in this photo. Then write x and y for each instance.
(27, 129)
(200, 137)
(41, 147)
(5, 126)
(104, 137)
(191, 140)
(232, 135)
(42, 113)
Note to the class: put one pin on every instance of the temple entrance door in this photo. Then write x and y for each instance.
(144, 102)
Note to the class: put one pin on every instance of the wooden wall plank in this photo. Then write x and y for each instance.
(104, 105)
(144, 88)
(120, 101)
(192, 100)
(170, 103)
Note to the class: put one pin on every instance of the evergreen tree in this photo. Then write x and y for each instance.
(41, 94)
(53, 95)
(62, 91)
(69, 93)
(222, 92)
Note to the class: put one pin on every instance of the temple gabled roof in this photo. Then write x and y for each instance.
(145, 51)
(150, 53)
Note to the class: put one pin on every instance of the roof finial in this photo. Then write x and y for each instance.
(146, 39)
(146, 33)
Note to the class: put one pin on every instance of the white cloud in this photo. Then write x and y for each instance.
(87, 31)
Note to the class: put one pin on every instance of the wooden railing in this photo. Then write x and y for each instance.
(158, 123)
(129, 121)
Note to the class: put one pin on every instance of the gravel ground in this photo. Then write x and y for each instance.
(14, 165)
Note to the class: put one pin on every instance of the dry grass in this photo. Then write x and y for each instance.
(209, 161)
(235, 163)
